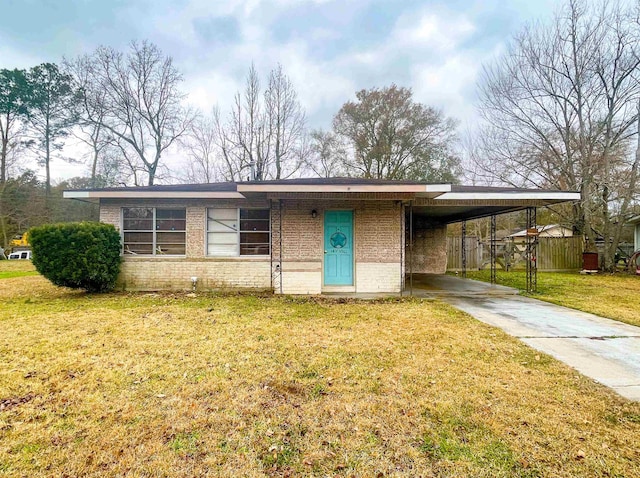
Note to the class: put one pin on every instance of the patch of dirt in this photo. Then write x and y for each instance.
(9, 403)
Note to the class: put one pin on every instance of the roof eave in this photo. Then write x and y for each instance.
(418, 189)
(133, 194)
(555, 196)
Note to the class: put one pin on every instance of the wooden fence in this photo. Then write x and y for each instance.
(553, 254)
(475, 253)
(560, 253)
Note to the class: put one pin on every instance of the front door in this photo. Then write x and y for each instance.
(338, 248)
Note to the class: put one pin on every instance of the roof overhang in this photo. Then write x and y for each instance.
(439, 202)
(511, 195)
(464, 206)
(420, 190)
(134, 194)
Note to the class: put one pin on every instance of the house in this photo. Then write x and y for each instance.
(635, 221)
(298, 236)
(551, 230)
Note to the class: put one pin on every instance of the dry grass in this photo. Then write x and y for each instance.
(613, 296)
(180, 385)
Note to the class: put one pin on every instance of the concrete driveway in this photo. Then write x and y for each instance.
(603, 349)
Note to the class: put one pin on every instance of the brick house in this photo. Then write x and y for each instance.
(300, 236)
(635, 221)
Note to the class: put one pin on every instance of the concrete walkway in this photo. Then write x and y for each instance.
(602, 349)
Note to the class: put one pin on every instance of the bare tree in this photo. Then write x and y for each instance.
(202, 147)
(92, 110)
(286, 123)
(328, 154)
(560, 110)
(246, 133)
(393, 137)
(264, 135)
(142, 104)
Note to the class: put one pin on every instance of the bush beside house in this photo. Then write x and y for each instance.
(83, 255)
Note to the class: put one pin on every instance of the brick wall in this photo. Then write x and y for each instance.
(110, 214)
(378, 248)
(378, 229)
(196, 226)
(175, 274)
(378, 244)
(378, 277)
(162, 273)
(429, 250)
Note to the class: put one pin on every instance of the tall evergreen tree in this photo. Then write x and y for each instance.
(13, 87)
(51, 112)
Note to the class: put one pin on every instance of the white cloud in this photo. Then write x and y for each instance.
(423, 49)
(430, 30)
(446, 85)
(210, 88)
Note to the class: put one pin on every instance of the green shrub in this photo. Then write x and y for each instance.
(81, 255)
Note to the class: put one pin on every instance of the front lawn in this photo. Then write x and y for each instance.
(194, 385)
(16, 268)
(614, 296)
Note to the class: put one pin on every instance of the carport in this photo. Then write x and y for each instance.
(427, 218)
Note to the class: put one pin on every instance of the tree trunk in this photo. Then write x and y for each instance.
(47, 158)
(94, 166)
(4, 133)
(3, 159)
(152, 173)
(3, 222)
(278, 159)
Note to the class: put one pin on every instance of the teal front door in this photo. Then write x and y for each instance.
(338, 248)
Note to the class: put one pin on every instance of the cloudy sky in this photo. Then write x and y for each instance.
(330, 49)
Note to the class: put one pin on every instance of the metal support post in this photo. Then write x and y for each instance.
(403, 240)
(492, 247)
(411, 247)
(281, 248)
(464, 249)
(531, 245)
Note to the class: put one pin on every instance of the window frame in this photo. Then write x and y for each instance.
(154, 231)
(238, 233)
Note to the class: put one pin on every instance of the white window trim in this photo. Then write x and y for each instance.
(154, 231)
(238, 232)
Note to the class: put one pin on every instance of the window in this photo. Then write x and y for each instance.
(154, 231)
(233, 232)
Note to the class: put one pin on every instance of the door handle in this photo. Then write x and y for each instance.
(325, 252)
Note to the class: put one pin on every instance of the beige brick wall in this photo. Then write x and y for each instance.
(196, 225)
(378, 248)
(429, 250)
(161, 273)
(175, 274)
(378, 244)
(378, 229)
(301, 277)
(378, 277)
(110, 214)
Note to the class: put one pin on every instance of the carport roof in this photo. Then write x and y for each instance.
(440, 202)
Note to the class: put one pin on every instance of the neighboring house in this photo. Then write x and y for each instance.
(299, 236)
(552, 230)
(635, 221)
